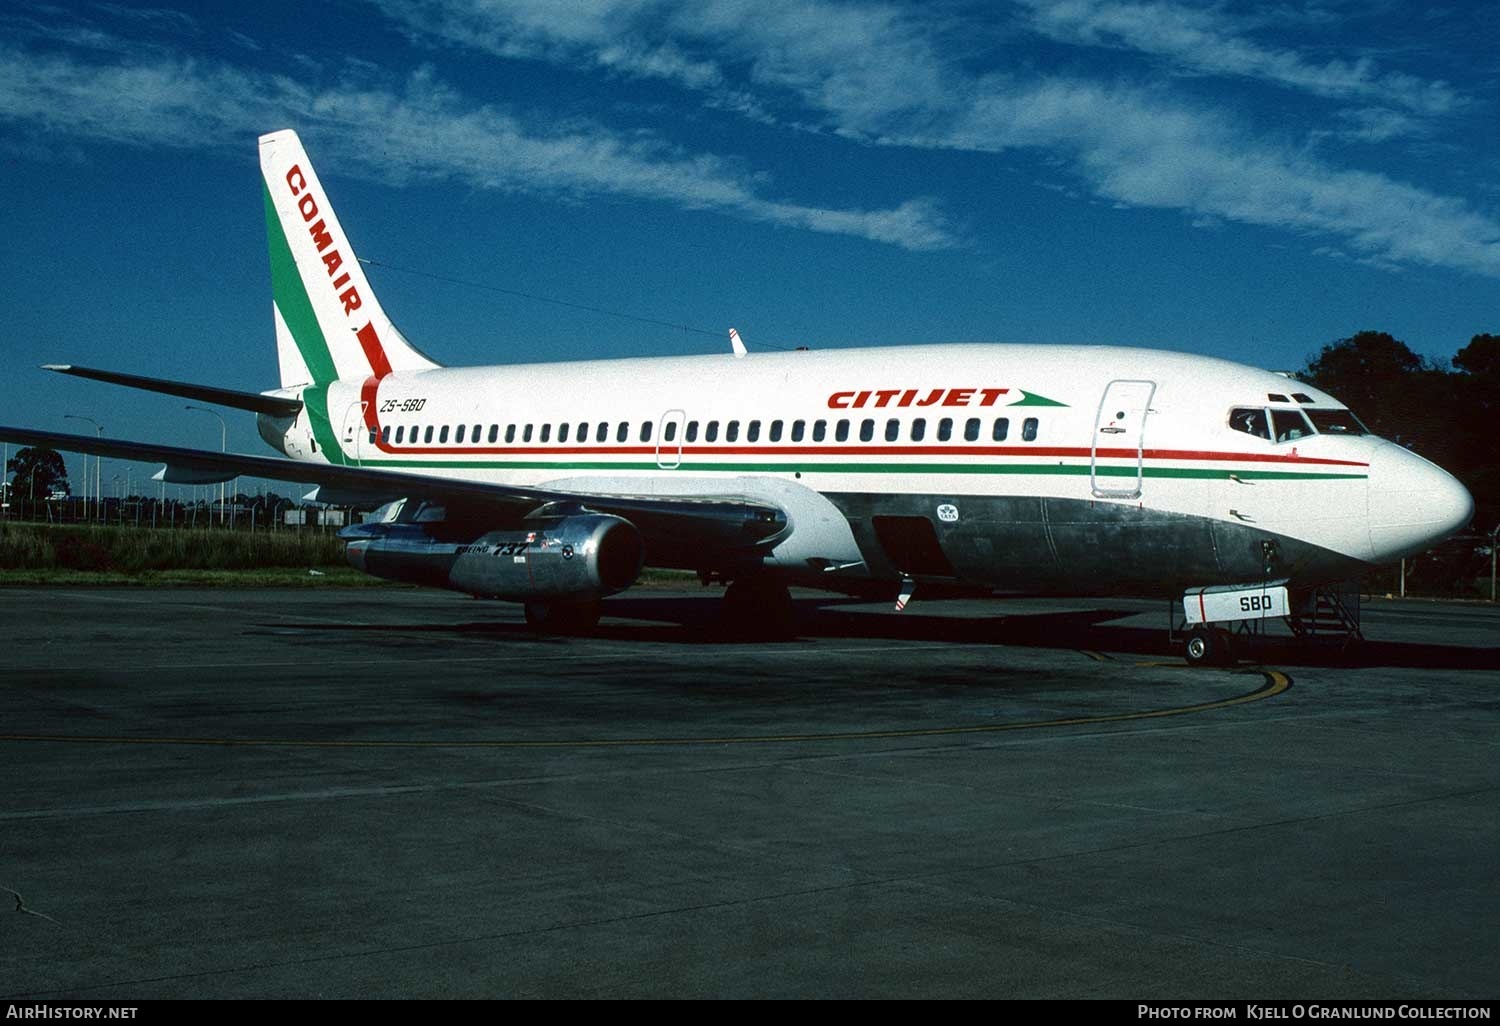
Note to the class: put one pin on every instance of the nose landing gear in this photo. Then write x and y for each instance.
(1208, 646)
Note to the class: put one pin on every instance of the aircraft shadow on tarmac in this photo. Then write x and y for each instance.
(694, 621)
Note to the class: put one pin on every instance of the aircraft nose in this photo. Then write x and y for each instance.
(1413, 503)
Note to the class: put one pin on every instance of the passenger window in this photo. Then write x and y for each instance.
(1250, 420)
(475, 435)
(820, 429)
(443, 435)
(546, 432)
(971, 430)
(866, 430)
(562, 433)
(495, 434)
(1002, 428)
(646, 430)
(841, 431)
(1028, 429)
(526, 434)
(510, 434)
(892, 430)
(711, 433)
(372, 436)
(919, 429)
(460, 436)
(622, 433)
(732, 431)
(385, 434)
(670, 433)
(798, 427)
(601, 433)
(400, 432)
(1289, 425)
(752, 431)
(945, 429)
(692, 431)
(775, 430)
(427, 435)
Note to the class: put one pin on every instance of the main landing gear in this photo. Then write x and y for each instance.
(563, 617)
(757, 608)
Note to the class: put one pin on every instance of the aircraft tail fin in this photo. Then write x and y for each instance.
(329, 324)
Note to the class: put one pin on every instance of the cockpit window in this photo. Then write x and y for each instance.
(1251, 420)
(1337, 422)
(1290, 425)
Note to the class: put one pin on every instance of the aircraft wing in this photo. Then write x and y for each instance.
(721, 524)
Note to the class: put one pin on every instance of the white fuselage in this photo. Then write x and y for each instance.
(1060, 450)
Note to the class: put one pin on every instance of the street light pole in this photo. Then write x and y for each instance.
(223, 436)
(99, 432)
(1494, 536)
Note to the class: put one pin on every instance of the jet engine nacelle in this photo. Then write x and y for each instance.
(578, 557)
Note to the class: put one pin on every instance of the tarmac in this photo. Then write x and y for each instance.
(389, 792)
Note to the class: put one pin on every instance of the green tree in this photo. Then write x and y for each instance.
(1447, 416)
(37, 474)
(1477, 409)
(1390, 388)
(1481, 358)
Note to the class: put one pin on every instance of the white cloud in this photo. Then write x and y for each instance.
(883, 75)
(192, 104)
(1207, 41)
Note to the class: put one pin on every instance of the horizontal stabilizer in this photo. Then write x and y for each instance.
(276, 406)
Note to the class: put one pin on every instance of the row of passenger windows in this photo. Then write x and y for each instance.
(972, 430)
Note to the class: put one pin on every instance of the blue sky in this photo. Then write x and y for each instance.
(1249, 181)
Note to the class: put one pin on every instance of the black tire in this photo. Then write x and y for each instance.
(758, 608)
(1206, 647)
(563, 617)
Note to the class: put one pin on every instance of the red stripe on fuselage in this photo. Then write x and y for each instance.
(869, 449)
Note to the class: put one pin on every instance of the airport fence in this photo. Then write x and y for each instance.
(240, 513)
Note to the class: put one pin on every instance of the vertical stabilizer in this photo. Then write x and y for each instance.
(329, 325)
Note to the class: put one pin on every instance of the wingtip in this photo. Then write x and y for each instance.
(57, 366)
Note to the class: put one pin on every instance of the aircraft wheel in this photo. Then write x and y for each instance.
(1207, 647)
(563, 617)
(758, 607)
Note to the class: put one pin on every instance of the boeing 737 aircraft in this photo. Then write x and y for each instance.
(1076, 470)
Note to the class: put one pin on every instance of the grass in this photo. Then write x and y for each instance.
(273, 577)
(83, 555)
(92, 554)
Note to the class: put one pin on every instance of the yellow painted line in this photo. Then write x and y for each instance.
(1098, 657)
(1275, 683)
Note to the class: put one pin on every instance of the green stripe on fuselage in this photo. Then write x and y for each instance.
(1036, 469)
(291, 299)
